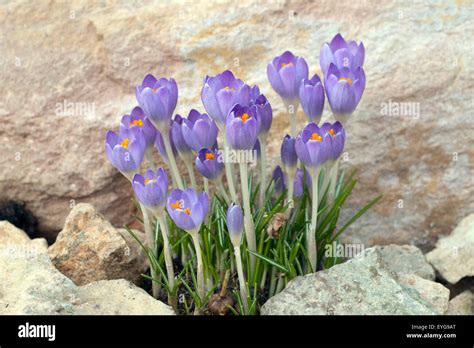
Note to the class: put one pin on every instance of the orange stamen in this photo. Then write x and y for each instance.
(286, 64)
(147, 181)
(227, 88)
(137, 123)
(331, 131)
(176, 205)
(315, 136)
(210, 156)
(124, 143)
(245, 117)
(347, 79)
(187, 211)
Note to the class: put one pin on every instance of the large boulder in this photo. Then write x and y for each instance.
(453, 256)
(89, 249)
(364, 285)
(410, 137)
(462, 304)
(31, 285)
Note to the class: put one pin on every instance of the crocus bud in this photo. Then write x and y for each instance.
(199, 131)
(298, 184)
(235, 223)
(342, 54)
(311, 94)
(178, 140)
(344, 88)
(288, 152)
(187, 208)
(278, 178)
(158, 99)
(285, 74)
(338, 138)
(264, 113)
(242, 128)
(151, 189)
(209, 164)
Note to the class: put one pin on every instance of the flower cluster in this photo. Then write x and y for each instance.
(241, 117)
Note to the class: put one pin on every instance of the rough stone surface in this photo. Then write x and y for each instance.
(453, 256)
(10, 234)
(406, 259)
(89, 249)
(434, 293)
(95, 55)
(361, 286)
(463, 304)
(118, 297)
(30, 284)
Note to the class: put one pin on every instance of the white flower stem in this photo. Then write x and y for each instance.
(172, 160)
(332, 185)
(150, 160)
(290, 175)
(248, 221)
(200, 269)
(263, 168)
(243, 286)
(222, 190)
(291, 108)
(151, 242)
(229, 174)
(206, 186)
(311, 239)
(168, 258)
(190, 169)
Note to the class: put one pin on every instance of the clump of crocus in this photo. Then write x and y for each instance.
(285, 74)
(188, 211)
(235, 227)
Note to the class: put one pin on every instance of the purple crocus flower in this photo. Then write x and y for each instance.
(342, 54)
(235, 220)
(264, 113)
(187, 209)
(288, 152)
(152, 188)
(136, 121)
(199, 131)
(311, 94)
(313, 146)
(160, 145)
(254, 94)
(285, 74)
(257, 148)
(344, 89)
(209, 164)
(298, 184)
(242, 128)
(158, 99)
(221, 92)
(178, 139)
(278, 178)
(338, 138)
(126, 154)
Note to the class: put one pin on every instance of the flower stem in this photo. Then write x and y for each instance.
(222, 190)
(151, 242)
(311, 240)
(248, 221)
(263, 167)
(240, 272)
(150, 160)
(200, 269)
(229, 174)
(190, 169)
(168, 258)
(172, 160)
(332, 185)
(290, 174)
(291, 108)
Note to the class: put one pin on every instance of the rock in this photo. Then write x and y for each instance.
(453, 256)
(463, 304)
(118, 297)
(95, 57)
(89, 249)
(363, 285)
(31, 285)
(406, 259)
(434, 293)
(9, 234)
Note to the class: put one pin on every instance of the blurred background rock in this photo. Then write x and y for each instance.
(68, 72)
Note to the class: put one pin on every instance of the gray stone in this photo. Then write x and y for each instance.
(453, 256)
(462, 304)
(406, 259)
(361, 286)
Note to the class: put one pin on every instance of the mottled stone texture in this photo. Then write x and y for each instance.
(93, 55)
